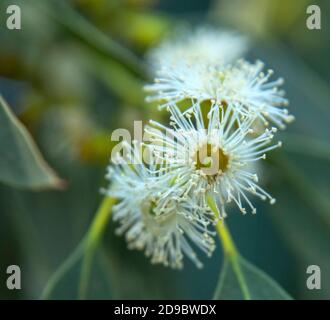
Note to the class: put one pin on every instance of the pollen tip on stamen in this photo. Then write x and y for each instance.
(272, 201)
(289, 118)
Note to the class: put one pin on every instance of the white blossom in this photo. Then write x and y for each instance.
(150, 218)
(242, 85)
(207, 44)
(211, 155)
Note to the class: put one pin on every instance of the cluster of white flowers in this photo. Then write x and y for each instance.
(151, 218)
(220, 107)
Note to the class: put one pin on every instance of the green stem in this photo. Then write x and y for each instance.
(229, 249)
(92, 239)
(87, 245)
(227, 242)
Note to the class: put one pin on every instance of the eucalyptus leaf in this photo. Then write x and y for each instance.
(21, 163)
(248, 283)
(111, 276)
(306, 228)
(301, 181)
(65, 282)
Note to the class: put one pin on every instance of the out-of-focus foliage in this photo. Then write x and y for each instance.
(281, 20)
(74, 73)
(21, 164)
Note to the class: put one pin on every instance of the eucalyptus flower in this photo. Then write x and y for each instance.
(244, 86)
(211, 155)
(208, 155)
(150, 219)
(206, 43)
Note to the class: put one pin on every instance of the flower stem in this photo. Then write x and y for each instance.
(226, 240)
(92, 239)
(232, 254)
(229, 249)
(85, 248)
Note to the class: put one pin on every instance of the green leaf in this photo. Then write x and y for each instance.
(248, 283)
(300, 182)
(84, 250)
(21, 163)
(65, 281)
(302, 215)
(111, 276)
(95, 232)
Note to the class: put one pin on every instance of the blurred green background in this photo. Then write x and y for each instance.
(75, 72)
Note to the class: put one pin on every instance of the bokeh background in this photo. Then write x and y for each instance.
(61, 78)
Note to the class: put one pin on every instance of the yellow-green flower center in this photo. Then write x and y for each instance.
(211, 160)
